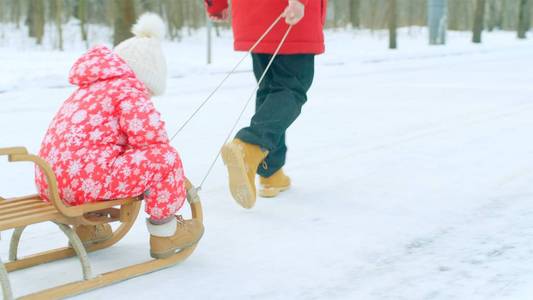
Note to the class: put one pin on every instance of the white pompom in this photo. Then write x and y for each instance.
(149, 25)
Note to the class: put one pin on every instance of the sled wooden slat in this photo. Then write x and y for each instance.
(25, 219)
(5, 211)
(74, 288)
(16, 202)
(17, 213)
(27, 197)
(25, 210)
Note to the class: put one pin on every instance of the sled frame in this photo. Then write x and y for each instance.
(19, 213)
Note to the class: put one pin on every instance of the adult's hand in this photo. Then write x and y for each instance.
(294, 12)
(223, 16)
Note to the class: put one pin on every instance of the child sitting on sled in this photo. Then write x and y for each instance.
(108, 141)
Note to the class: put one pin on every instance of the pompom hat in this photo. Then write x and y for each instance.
(143, 52)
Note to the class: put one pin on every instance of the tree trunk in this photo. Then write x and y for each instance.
(523, 19)
(355, 13)
(15, 13)
(58, 13)
(188, 12)
(82, 15)
(29, 20)
(175, 13)
(336, 13)
(35, 20)
(493, 15)
(393, 23)
(109, 13)
(149, 5)
(3, 12)
(124, 20)
(478, 21)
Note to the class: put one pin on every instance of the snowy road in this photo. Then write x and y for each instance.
(412, 177)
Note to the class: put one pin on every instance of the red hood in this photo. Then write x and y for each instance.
(99, 63)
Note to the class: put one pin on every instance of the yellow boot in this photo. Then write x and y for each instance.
(242, 160)
(275, 184)
(178, 233)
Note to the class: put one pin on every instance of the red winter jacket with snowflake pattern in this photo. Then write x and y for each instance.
(109, 113)
(251, 18)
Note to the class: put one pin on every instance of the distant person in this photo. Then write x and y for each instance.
(260, 148)
(108, 141)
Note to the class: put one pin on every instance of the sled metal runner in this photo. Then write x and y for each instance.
(18, 213)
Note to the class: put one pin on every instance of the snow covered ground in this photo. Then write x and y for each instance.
(412, 174)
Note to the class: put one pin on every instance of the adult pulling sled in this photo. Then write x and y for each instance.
(18, 213)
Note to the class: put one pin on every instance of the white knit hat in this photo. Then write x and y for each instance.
(143, 52)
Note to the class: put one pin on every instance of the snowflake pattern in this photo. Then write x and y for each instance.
(108, 141)
(79, 116)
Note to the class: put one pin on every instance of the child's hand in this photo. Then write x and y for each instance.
(223, 16)
(294, 12)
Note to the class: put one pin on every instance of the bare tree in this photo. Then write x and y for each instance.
(175, 16)
(82, 13)
(523, 19)
(478, 21)
(35, 20)
(109, 12)
(149, 5)
(355, 13)
(2, 11)
(393, 23)
(16, 13)
(58, 13)
(493, 19)
(124, 20)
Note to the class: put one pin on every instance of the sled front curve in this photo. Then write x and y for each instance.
(18, 213)
(17, 263)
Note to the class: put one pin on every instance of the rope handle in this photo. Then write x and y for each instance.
(247, 104)
(188, 120)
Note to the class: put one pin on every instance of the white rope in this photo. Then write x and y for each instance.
(226, 77)
(246, 104)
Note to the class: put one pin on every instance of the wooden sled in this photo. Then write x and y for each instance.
(18, 213)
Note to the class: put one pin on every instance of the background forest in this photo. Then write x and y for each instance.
(185, 16)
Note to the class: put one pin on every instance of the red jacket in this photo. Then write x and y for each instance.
(252, 17)
(110, 112)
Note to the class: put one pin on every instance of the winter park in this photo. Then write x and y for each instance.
(288, 149)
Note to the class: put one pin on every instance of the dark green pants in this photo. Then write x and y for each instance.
(279, 102)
